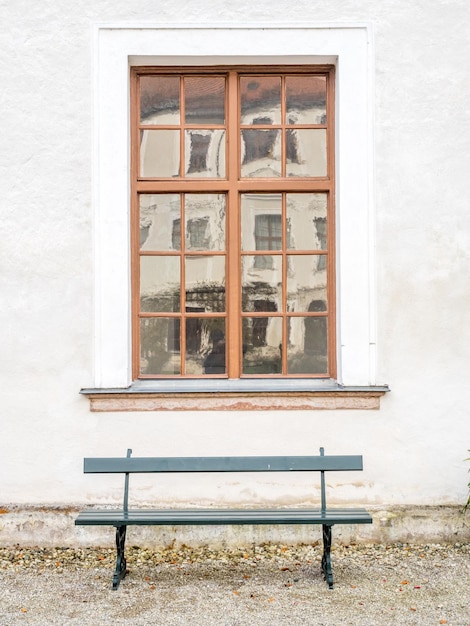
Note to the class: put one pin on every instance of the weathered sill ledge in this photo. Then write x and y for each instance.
(234, 395)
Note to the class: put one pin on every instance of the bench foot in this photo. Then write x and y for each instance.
(326, 558)
(121, 570)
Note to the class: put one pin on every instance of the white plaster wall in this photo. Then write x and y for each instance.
(415, 445)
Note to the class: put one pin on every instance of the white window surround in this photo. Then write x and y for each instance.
(117, 47)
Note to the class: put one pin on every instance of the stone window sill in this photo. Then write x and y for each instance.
(235, 395)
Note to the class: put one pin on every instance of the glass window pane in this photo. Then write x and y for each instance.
(306, 221)
(159, 284)
(261, 282)
(160, 153)
(260, 99)
(204, 99)
(306, 152)
(159, 100)
(160, 346)
(262, 345)
(261, 153)
(205, 221)
(261, 223)
(205, 282)
(306, 284)
(205, 345)
(204, 153)
(306, 99)
(159, 221)
(307, 351)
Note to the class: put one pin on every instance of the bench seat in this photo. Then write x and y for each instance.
(186, 517)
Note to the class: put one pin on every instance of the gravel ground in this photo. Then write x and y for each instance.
(268, 585)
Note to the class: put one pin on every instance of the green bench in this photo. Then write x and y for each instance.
(123, 517)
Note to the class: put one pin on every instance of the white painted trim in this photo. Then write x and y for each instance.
(348, 46)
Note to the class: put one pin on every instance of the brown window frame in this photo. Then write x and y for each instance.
(233, 185)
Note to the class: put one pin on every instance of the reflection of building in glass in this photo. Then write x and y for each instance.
(262, 279)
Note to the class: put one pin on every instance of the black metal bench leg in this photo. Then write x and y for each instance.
(120, 559)
(326, 559)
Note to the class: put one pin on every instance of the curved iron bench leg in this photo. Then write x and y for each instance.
(326, 558)
(121, 570)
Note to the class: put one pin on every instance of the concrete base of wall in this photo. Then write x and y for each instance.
(54, 527)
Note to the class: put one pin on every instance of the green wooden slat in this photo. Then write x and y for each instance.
(183, 517)
(223, 464)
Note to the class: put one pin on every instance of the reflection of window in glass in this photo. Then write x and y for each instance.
(198, 233)
(193, 330)
(260, 324)
(268, 236)
(198, 155)
(292, 147)
(315, 330)
(176, 234)
(230, 276)
(259, 144)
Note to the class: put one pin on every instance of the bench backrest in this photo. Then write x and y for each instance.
(130, 465)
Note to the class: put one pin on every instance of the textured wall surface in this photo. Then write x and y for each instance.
(414, 446)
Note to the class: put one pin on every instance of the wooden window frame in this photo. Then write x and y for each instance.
(233, 186)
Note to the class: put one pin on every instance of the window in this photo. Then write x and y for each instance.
(233, 222)
(114, 384)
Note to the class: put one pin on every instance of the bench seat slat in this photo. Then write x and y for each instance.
(223, 464)
(182, 517)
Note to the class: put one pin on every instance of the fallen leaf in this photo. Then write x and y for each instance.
(237, 593)
(246, 576)
(152, 587)
(23, 610)
(285, 569)
(412, 608)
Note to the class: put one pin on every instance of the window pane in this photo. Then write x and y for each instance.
(205, 282)
(160, 153)
(260, 99)
(262, 345)
(159, 221)
(306, 152)
(159, 284)
(306, 100)
(306, 221)
(305, 284)
(205, 345)
(261, 221)
(204, 99)
(204, 153)
(205, 221)
(307, 346)
(159, 100)
(160, 346)
(261, 281)
(261, 153)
